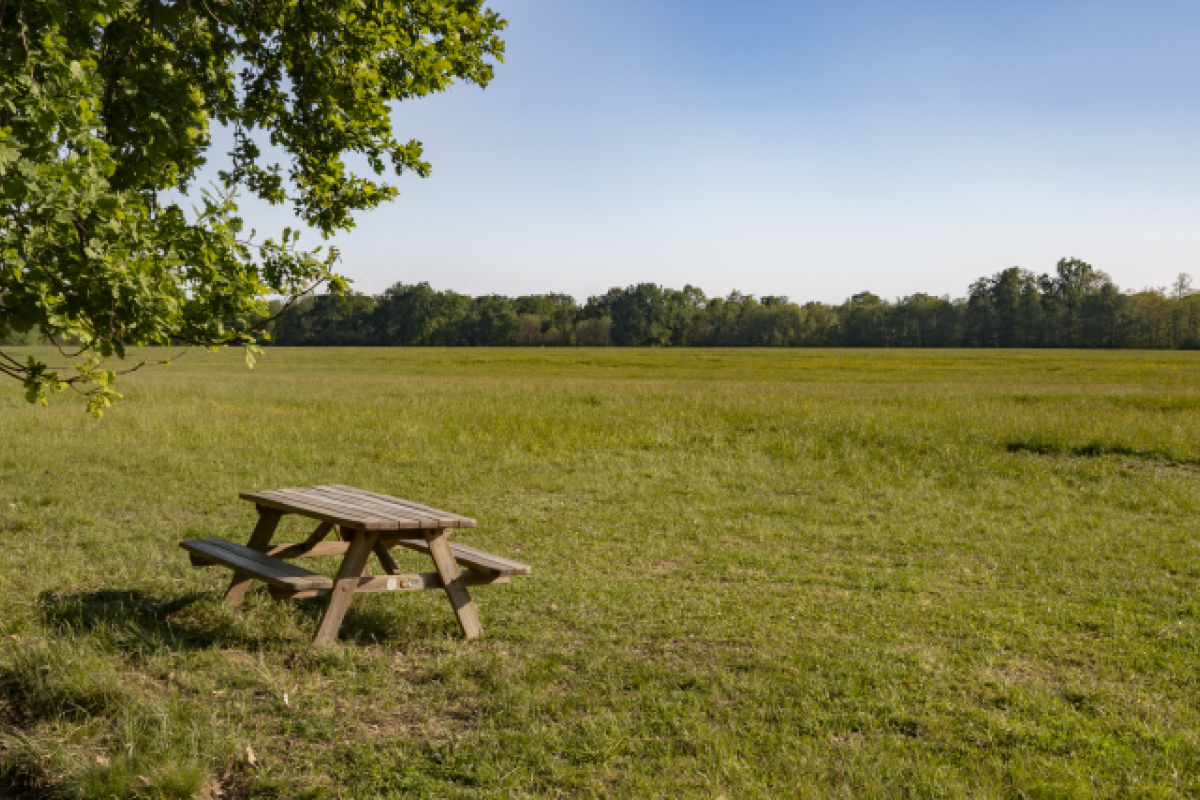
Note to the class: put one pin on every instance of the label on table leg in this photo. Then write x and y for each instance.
(399, 583)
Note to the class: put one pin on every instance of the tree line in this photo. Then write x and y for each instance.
(1075, 306)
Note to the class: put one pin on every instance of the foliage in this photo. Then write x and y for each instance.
(1077, 307)
(106, 108)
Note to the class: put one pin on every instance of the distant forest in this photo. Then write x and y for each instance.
(1077, 306)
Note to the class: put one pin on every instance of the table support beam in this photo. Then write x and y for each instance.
(456, 590)
(385, 559)
(345, 583)
(268, 521)
(347, 535)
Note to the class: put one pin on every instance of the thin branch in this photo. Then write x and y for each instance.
(290, 301)
(210, 13)
(61, 352)
(21, 26)
(148, 363)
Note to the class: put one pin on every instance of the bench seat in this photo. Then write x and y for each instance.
(476, 560)
(271, 571)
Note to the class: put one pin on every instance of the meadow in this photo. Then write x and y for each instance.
(757, 573)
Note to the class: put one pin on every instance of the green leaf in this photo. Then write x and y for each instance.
(107, 107)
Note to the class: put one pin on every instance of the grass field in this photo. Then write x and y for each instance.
(760, 573)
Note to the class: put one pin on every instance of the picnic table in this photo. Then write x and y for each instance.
(363, 523)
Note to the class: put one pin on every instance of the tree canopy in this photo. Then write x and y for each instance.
(107, 110)
(1075, 306)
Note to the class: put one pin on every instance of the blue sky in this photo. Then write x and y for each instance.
(807, 149)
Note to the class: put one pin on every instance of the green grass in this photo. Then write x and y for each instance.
(761, 573)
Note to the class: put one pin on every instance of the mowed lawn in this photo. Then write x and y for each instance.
(757, 573)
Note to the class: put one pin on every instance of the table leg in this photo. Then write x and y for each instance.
(268, 521)
(447, 567)
(347, 535)
(344, 585)
(386, 561)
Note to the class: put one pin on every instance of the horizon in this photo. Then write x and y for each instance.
(948, 296)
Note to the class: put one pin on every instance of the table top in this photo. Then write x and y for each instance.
(356, 508)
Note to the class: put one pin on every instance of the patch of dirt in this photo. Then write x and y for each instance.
(1117, 456)
(1017, 671)
(411, 722)
(1162, 468)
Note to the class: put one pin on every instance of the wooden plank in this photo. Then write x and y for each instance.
(356, 517)
(392, 499)
(343, 586)
(460, 520)
(288, 506)
(478, 560)
(300, 550)
(456, 591)
(256, 565)
(308, 547)
(268, 521)
(387, 539)
(221, 550)
(403, 583)
(352, 510)
(360, 517)
(345, 505)
(392, 539)
(386, 510)
(387, 505)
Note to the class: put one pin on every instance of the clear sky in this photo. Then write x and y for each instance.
(802, 148)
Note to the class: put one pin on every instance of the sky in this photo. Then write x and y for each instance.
(809, 149)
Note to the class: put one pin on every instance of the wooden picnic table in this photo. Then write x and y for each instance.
(364, 523)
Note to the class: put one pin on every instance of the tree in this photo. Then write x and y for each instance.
(594, 332)
(645, 315)
(1031, 316)
(493, 322)
(864, 321)
(1065, 291)
(1104, 316)
(925, 320)
(418, 315)
(999, 312)
(106, 108)
(327, 320)
(981, 315)
(529, 329)
(1181, 290)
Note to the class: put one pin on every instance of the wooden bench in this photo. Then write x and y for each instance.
(365, 523)
(476, 560)
(274, 572)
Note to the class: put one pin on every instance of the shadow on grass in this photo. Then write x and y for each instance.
(1134, 456)
(1089, 450)
(133, 619)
